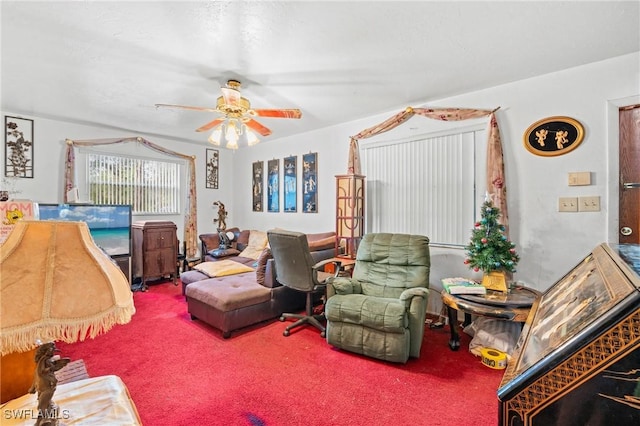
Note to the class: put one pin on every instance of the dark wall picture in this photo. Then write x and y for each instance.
(273, 188)
(258, 182)
(290, 184)
(18, 147)
(213, 159)
(310, 183)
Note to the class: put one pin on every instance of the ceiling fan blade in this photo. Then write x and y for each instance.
(277, 113)
(257, 127)
(210, 125)
(194, 108)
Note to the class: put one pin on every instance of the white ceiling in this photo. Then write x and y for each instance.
(107, 63)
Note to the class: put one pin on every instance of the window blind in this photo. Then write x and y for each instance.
(149, 186)
(425, 185)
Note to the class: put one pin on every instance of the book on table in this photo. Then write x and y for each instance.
(462, 286)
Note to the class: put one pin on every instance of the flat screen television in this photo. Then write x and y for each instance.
(109, 224)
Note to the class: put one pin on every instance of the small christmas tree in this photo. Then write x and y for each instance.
(489, 249)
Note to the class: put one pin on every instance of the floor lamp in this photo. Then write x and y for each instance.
(56, 284)
(350, 194)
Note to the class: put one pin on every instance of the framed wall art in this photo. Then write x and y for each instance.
(553, 136)
(258, 182)
(273, 185)
(290, 184)
(213, 172)
(18, 147)
(310, 183)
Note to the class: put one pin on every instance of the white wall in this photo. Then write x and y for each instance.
(548, 242)
(48, 181)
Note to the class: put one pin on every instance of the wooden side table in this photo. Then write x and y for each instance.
(346, 265)
(511, 306)
(190, 262)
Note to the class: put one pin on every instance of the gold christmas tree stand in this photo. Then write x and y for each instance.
(495, 280)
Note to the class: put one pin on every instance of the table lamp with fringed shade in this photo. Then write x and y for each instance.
(57, 285)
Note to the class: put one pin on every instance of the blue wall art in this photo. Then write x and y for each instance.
(290, 184)
(273, 188)
(310, 183)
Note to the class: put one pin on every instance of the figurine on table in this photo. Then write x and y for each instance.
(222, 216)
(45, 382)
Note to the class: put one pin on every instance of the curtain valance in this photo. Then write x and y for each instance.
(495, 181)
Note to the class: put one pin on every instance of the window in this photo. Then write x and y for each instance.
(426, 185)
(150, 186)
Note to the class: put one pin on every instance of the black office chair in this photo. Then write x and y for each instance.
(296, 269)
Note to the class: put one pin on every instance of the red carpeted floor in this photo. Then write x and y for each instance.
(182, 372)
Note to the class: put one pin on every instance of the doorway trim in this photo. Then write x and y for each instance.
(613, 165)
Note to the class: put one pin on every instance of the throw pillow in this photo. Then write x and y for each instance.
(222, 268)
(261, 267)
(218, 253)
(210, 241)
(257, 243)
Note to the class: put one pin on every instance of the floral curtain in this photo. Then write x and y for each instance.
(496, 186)
(190, 217)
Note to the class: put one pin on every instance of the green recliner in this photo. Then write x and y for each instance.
(380, 311)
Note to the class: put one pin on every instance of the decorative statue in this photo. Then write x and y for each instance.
(222, 216)
(45, 382)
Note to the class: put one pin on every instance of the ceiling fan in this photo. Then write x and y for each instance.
(237, 113)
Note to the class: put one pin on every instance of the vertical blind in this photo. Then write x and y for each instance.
(424, 186)
(149, 186)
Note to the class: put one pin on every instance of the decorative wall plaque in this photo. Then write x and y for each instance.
(553, 136)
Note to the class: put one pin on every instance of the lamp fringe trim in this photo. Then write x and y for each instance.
(24, 339)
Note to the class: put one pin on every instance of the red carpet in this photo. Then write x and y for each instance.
(182, 372)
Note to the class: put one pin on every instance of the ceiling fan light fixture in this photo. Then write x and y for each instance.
(232, 144)
(252, 139)
(243, 132)
(232, 129)
(224, 132)
(214, 137)
(232, 133)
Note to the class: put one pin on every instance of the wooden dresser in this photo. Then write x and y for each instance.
(155, 250)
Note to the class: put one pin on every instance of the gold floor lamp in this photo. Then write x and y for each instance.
(56, 285)
(350, 205)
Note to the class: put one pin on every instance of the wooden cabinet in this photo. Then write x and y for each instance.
(155, 250)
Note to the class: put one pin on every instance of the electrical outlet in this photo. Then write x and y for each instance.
(589, 204)
(567, 204)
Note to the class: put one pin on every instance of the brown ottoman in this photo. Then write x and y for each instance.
(228, 303)
(189, 277)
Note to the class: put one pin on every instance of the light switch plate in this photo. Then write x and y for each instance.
(589, 204)
(568, 204)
